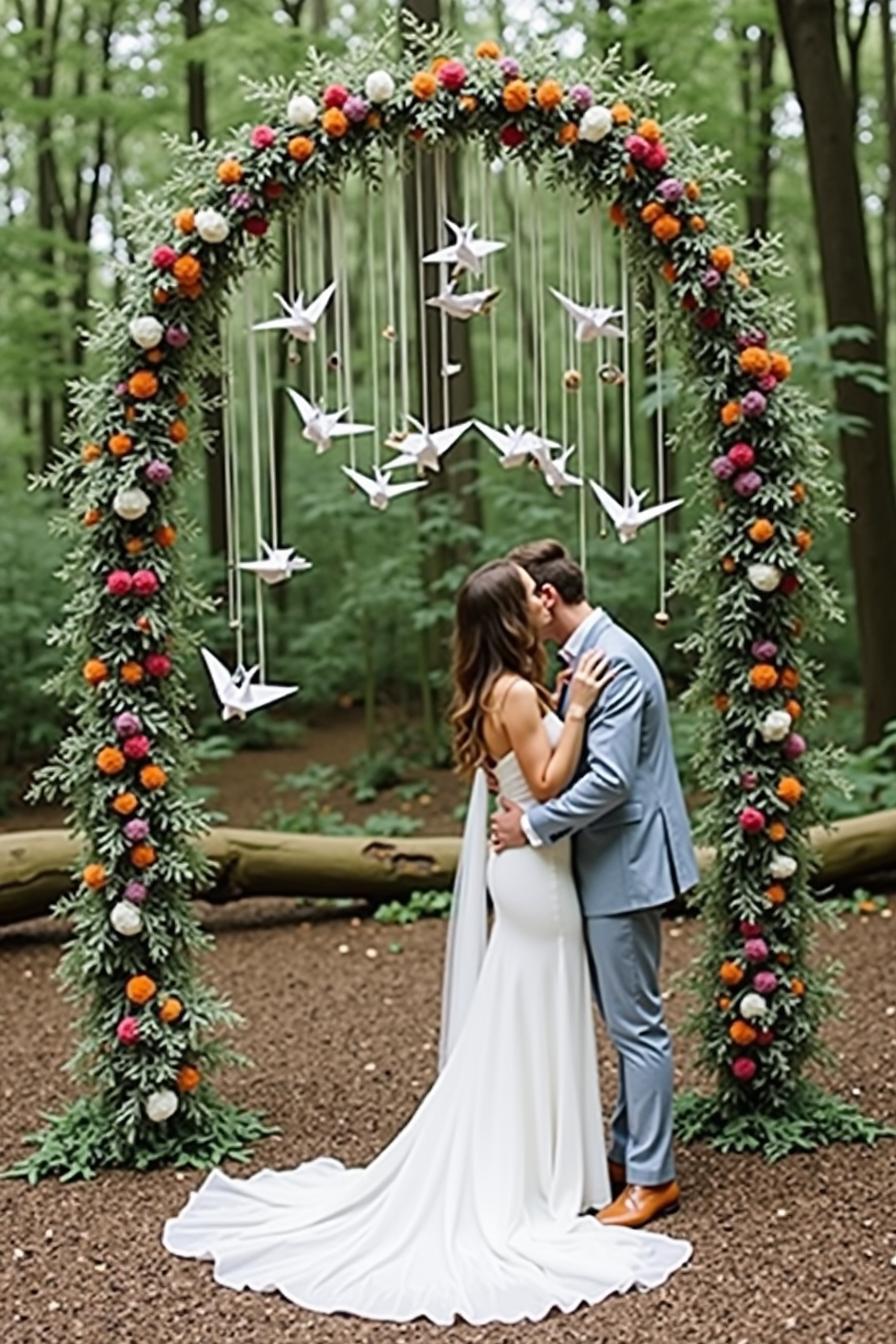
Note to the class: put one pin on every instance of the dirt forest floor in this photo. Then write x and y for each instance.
(343, 1043)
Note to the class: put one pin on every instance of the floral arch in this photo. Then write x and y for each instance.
(150, 1028)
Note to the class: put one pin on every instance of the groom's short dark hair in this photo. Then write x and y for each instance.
(550, 562)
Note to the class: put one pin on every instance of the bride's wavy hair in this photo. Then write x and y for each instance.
(493, 633)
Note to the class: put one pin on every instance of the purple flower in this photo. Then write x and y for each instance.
(764, 650)
(581, 96)
(135, 892)
(753, 404)
(177, 336)
(121, 389)
(136, 829)
(671, 189)
(355, 107)
(711, 278)
(158, 472)
(756, 949)
(794, 746)
(747, 483)
(722, 468)
(637, 147)
(126, 724)
(755, 337)
(509, 67)
(241, 200)
(766, 982)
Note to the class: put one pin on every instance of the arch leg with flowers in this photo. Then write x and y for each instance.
(149, 1043)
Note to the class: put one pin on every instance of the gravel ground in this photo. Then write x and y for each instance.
(344, 1045)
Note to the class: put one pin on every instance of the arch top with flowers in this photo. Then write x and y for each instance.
(150, 1028)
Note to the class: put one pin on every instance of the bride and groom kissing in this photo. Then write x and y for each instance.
(498, 1200)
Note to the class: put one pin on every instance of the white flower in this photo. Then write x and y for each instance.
(301, 110)
(161, 1105)
(211, 226)
(782, 866)
(753, 1005)
(131, 502)
(379, 86)
(596, 123)
(146, 331)
(764, 577)
(775, 726)
(125, 919)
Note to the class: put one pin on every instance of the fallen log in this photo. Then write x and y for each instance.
(35, 866)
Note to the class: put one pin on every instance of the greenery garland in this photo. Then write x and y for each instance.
(149, 1032)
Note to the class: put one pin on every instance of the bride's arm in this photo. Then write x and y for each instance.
(548, 769)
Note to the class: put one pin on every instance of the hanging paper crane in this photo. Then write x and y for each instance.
(463, 306)
(379, 488)
(629, 518)
(516, 445)
(466, 252)
(424, 449)
(591, 320)
(321, 427)
(277, 563)
(299, 321)
(237, 692)
(553, 469)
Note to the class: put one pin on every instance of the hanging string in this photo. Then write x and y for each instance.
(626, 371)
(232, 497)
(404, 328)
(560, 316)
(444, 352)
(255, 450)
(598, 292)
(575, 357)
(660, 454)
(518, 291)
(324, 329)
(487, 200)
(421, 282)
(372, 271)
(538, 304)
(533, 318)
(272, 452)
(303, 282)
(388, 223)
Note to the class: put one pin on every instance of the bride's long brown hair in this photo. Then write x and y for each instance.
(493, 634)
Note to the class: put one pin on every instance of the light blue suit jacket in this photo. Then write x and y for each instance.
(625, 810)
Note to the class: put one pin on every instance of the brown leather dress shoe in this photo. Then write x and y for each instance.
(640, 1204)
(617, 1178)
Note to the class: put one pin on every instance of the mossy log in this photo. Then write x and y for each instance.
(36, 866)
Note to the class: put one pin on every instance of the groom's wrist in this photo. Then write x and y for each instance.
(529, 832)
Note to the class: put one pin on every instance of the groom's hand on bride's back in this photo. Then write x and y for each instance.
(507, 828)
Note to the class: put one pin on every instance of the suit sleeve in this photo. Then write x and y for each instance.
(612, 747)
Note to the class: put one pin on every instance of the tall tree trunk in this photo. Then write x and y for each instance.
(888, 222)
(213, 420)
(756, 86)
(809, 28)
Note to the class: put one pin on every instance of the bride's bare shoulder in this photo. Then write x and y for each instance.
(510, 691)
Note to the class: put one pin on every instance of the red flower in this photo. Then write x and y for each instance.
(164, 257)
(709, 318)
(256, 225)
(656, 158)
(157, 664)
(452, 75)
(119, 583)
(512, 137)
(335, 95)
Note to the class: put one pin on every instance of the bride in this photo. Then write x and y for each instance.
(481, 1206)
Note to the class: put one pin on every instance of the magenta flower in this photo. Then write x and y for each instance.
(136, 748)
(748, 780)
(121, 389)
(241, 200)
(335, 95)
(671, 189)
(742, 455)
(765, 982)
(136, 829)
(756, 949)
(177, 336)
(128, 1031)
(581, 96)
(452, 75)
(749, 929)
(262, 137)
(637, 147)
(794, 746)
(709, 318)
(747, 483)
(657, 157)
(755, 337)
(509, 67)
(158, 472)
(135, 892)
(164, 257)
(711, 278)
(146, 583)
(356, 108)
(752, 820)
(722, 468)
(744, 1069)
(753, 404)
(767, 383)
(764, 650)
(126, 724)
(119, 583)
(157, 664)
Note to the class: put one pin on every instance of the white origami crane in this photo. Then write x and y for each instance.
(237, 694)
(629, 518)
(379, 488)
(466, 251)
(553, 469)
(515, 444)
(320, 426)
(277, 563)
(591, 320)
(300, 321)
(463, 306)
(427, 446)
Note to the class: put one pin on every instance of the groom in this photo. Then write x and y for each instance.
(632, 853)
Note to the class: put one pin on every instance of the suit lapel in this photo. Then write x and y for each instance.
(592, 639)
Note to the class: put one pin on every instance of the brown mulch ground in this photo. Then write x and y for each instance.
(344, 1045)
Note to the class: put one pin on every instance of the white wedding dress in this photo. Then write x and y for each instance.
(475, 1209)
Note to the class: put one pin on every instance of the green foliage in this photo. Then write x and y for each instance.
(868, 779)
(420, 905)
(392, 823)
(373, 772)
